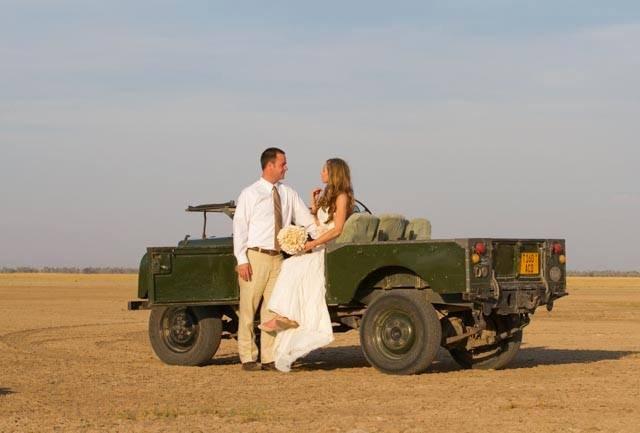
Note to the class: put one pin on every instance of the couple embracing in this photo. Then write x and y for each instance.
(294, 314)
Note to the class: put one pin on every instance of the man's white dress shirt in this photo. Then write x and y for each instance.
(253, 221)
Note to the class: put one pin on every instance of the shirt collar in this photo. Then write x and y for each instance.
(268, 185)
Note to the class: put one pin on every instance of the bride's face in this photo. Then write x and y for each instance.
(324, 174)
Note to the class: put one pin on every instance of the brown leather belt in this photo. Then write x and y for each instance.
(264, 251)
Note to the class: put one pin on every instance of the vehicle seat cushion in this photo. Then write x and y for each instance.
(418, 229)
(391, 227)
(359, 227)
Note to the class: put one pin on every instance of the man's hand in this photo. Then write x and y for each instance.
(244, 271)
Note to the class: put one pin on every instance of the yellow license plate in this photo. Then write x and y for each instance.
(529, 264)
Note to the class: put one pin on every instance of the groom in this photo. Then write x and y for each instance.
(262, 209)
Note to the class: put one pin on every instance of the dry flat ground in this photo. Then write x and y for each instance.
(72, 358)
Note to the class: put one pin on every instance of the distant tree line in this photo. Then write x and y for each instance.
(606, 273)
(68, 270)
(124, 270)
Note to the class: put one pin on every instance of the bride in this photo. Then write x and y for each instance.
(302, 318)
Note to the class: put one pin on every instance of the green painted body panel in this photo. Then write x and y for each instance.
(440, 263)
(200, 272)
(144, 277)
(203, 271)
(504, 261)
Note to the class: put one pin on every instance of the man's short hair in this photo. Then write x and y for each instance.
(269, 155)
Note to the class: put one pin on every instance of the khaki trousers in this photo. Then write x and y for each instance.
(265, 273)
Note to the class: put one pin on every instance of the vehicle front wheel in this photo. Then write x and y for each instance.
(185, 335)
(400, 333)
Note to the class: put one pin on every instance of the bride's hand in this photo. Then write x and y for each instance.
(309, 245)
(315, 195)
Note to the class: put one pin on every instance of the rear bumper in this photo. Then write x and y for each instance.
(525, 297)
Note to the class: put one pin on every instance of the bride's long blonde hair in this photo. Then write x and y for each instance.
(339, 183)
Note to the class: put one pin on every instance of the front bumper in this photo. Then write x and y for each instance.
(138, 305)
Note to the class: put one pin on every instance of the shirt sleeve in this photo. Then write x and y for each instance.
(241, 229)
(302, 216)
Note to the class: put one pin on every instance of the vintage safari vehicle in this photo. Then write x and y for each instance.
(407, 294)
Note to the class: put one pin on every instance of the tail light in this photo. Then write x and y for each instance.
(480, 248)
(557, 248)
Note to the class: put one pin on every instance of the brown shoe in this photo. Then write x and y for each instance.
(251, 366)
(269, 366)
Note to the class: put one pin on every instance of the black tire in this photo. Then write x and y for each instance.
(185, 335)
(400, 333)
(493, 357)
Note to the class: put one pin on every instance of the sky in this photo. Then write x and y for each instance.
(494, 118)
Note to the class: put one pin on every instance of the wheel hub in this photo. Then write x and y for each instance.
(179, 329)
(396, 333)
(182, 328)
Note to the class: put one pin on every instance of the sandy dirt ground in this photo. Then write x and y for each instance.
(74, 359)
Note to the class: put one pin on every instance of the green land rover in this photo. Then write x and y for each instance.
(406, 293)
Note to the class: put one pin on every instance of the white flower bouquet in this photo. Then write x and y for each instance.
(292, 239)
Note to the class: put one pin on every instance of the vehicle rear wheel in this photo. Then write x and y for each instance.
(493, 357)
(400, 333)
(185, 335)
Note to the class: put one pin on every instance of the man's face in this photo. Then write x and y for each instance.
(278, 168)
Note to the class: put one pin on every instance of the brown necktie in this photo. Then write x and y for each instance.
(277, 212)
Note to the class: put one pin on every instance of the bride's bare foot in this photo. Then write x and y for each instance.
(283, 323)
(277, 324)
(269, 326)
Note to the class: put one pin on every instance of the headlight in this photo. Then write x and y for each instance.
(161, 263)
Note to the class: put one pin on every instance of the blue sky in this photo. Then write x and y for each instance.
(494, 118)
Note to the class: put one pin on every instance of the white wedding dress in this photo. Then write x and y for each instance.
(299, 294)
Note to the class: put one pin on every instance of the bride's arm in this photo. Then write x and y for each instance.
(302, 216)
(339, 219)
